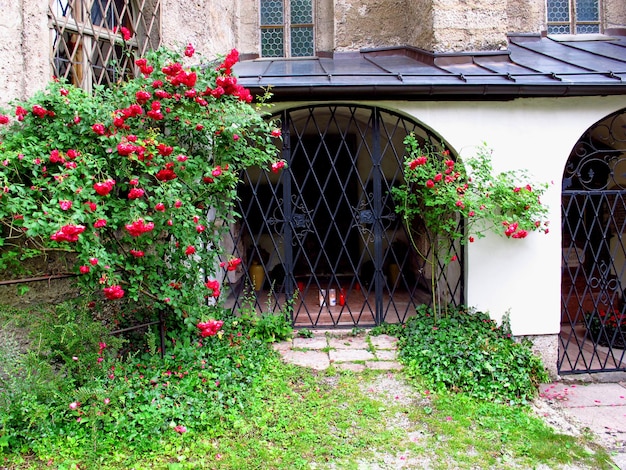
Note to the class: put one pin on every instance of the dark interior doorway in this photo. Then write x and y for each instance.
(324, 183)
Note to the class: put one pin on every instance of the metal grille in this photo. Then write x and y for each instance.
(593, 319)
(322, 238)
(88, 44)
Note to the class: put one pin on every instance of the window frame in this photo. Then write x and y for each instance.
(573, 23)
(286, 28)
(80, 51)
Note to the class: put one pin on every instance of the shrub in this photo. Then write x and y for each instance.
(136, 181)
(467, 352)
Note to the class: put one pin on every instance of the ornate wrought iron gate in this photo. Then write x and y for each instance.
(593, 318)
(321, 238)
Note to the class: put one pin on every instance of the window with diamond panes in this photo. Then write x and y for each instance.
(287, 28)
(573, 16)
(88, 43)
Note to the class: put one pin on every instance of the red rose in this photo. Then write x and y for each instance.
(98, 128)
(68, 233)
(135, 193)
(139, 227)
(104, 187)
(113, 292)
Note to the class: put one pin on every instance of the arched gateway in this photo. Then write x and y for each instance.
(593, 295)
(321, 239)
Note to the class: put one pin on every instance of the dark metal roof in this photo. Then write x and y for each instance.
(532, 65)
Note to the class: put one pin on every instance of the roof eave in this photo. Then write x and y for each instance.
(442, 92)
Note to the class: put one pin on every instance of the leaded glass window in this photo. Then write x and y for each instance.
(287, 28)
(573, 16)
(95, 42)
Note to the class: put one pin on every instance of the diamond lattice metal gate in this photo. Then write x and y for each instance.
(593, 319)
(321, 239)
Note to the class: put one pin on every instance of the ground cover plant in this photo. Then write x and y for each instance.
(466, 351)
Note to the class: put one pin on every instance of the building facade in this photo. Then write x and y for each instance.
(542, 82)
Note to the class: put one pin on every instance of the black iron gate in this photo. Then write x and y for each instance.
(321, 239)
(593, 304)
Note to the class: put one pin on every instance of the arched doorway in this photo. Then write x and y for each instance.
(593, 303)
(321, 239)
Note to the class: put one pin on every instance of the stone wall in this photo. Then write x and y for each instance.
(212, 27)
(526, 16)
(469, 25)
(372, 23)
(614, 15)
(24, 50)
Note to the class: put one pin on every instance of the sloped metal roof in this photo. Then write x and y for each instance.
(532, 65)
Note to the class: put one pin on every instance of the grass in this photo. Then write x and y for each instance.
(345, 420)
(296, 418)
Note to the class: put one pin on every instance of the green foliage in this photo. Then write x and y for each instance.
(228, 402)
(305, 333)
(83, 400)
(440, 192)
(137, 181)
(453, 202)
(466, 351)
(272, 327)
(391, 329)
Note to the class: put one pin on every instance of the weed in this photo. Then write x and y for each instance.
(305, 333)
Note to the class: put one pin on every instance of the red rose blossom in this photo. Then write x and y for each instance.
(139, 227)
(113, 292)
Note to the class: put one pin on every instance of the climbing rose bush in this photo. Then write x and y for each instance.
(441, 192)
(453, 202)
(136, 182)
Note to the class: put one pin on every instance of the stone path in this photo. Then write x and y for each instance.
(341, 349)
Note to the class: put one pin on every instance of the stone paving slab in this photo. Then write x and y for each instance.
(316, 342)
(350, 366)
(383, 365)
(386, 355)
(350, 355)
(313, 359)
(585, 395)
(610, 420)
(384, 342)
(348, 343)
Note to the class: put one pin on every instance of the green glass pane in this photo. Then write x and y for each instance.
(271, 12)
(272, 42)
(558, 29)
(302, 42)
(558, 10)
(587, 10)
(587, 28)
(301, 12)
